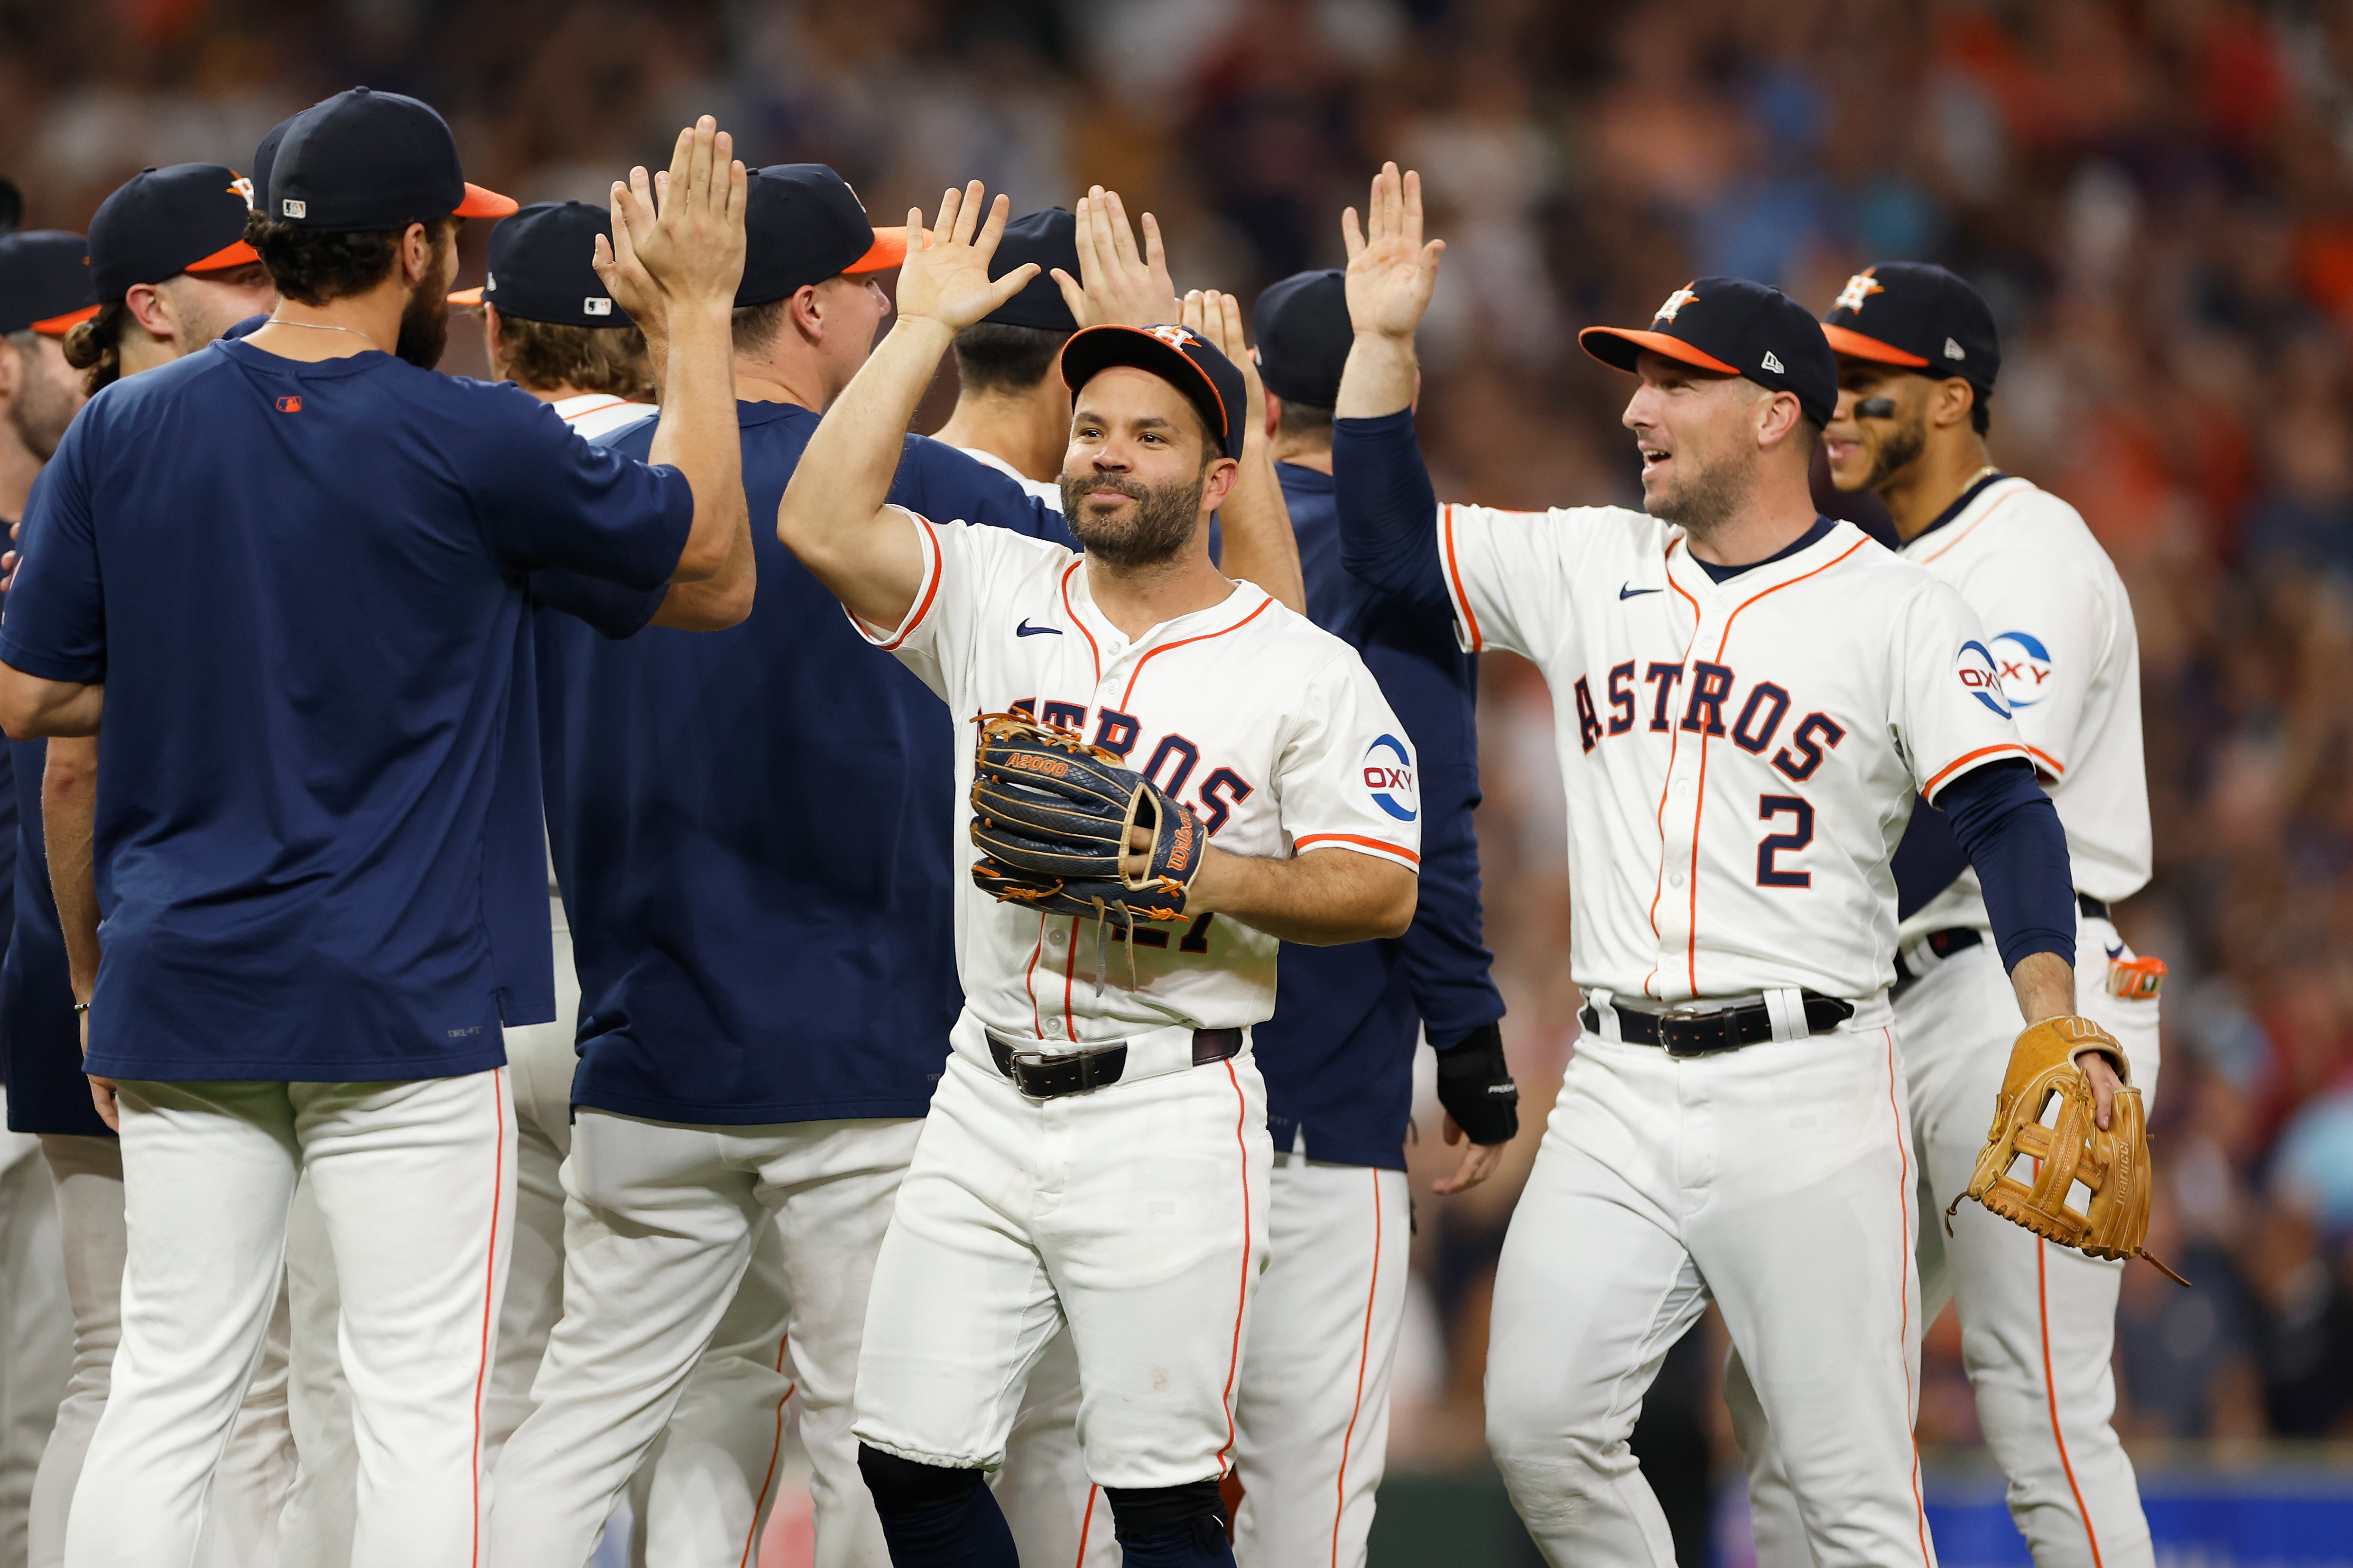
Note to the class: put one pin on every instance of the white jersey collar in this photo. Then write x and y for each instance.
(1246, 600)
(1693, 579)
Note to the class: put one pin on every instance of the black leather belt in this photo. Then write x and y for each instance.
(1046, 1078)
(2096, 909)
(1724, 1029)
(1960, 939)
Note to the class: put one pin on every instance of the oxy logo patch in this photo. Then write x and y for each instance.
(1977, 672)
(1389, 776)
(2024, 666)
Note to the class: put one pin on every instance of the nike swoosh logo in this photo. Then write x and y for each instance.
(1026, 630)
(1629, 591)
(2117, 951)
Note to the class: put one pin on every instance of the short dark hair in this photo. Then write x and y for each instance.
(752, 326)
(312, 268)
(542, 355)
(1297, 419)
(994, 357)
(1981, 409)
(94, 347)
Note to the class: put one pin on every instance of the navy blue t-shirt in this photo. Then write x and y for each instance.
(304, 586)
(756, 831)
(1338, 1055)
(46, 1091)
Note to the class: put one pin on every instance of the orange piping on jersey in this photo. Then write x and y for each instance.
(1234, 1361)
(1364, 1354)
(1674, 739)
(1070, 967)
(1963, 761)
(1067, 610)
(1086, 1521)
(1454, 580)
(1692, 951)
(752, 1536)
(931, 589)
(1903, 1285)
(1384, 847)
(2051, 1395)
(1151, 653)
(2047, 762)
(490, 1278)
(1983, 518)
(596, 408)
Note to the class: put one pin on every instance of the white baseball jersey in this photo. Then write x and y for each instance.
(1268, 727)
(2061, 632)
(1739, 758)
(1045, 490)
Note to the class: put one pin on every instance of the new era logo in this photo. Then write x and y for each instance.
(289, 406)
(1773, 364)
(596, 305)
(292, 208)
(1953, 349)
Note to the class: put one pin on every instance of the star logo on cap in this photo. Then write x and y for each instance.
(1859, 287)
(1175, 337)
(1676, 301)
(241, 187)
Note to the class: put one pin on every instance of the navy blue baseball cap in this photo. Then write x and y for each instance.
(161, 223)
(365, 160)
(540, 268)
(1182, 358)
(45, 283)
(1733, 327)
(1918, 316)
(265, 158)
(1050, 238)
(1304, 336)
(802, 225)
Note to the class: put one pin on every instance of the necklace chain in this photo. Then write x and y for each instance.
(276, 321)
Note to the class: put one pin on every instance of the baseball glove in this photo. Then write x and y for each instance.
(1052, 815)
(2113, 1166)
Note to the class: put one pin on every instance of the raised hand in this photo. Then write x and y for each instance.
(1117, 283)
(684, 233)
(1218, 317)
(1391, 270)
(945, 276)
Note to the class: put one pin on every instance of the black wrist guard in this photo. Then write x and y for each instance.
(1475, 1086)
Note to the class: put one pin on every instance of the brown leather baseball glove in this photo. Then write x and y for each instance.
(2113, 1166)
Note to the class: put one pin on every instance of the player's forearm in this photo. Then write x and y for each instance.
(1387, 509)
(699, 434)
(717, 602)
(31, 708)
(1379, 378)
(2044, 983)
(1261, 548)
(1321, 898)
(68, 826)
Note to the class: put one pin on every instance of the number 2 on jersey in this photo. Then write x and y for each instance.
(1768, 873)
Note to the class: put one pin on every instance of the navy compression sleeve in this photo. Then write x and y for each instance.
(2013, 838)
(1389, 510)
(1926, 861)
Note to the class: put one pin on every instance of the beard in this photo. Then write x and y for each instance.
(1161, 523)
(44, 406)
(1705, 499)
(1897, 449)
(425, 320)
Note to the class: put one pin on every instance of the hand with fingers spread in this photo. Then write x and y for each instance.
(683, 235)
(1260, 544)
(947, 279)
(1117, 284)
(1391, 270)
(1218, 316)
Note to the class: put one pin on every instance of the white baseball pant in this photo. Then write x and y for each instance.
(1311, 1412)
(241, 1513)
(36, 1346)
(1776, 1180)
(416, 1185)
(1135, 1214)
(2038, 1321)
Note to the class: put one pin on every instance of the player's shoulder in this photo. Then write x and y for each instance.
(1292, 649)
(1602, 538)
(2014, 520)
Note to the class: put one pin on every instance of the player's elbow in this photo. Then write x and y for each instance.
(31, 708)
(1386, 896)
(1394, 916)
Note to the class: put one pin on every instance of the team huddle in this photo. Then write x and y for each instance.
(999, 883)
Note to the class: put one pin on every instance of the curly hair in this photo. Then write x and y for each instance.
(539, 356)
(94, 347)
(313, 268)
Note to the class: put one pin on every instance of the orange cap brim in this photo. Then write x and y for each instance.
(1855, 345)
(467, 297)
(479, 202)
(59, 326)
(888, 249)
(1657, 342)
(238, 255)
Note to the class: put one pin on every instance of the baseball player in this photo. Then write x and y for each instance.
(1311, 1412)
(1917, 357)
(309, 946)
(44, 290)
(1096, 1152)
(171, 270)
(1749, 697)
(758, 901)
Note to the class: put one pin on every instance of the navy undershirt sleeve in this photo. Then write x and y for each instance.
(1927, 859)
(1388, 509)
(2012, 833)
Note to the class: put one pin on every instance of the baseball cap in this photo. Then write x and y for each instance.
(365, 160)
(45, 283)
(1918, 316)
(189, 217)
(1304, 336)
(1050, 238)
(802, 225)
(541, 271)
(265, 158)
(1733, 327)
(1182, 359)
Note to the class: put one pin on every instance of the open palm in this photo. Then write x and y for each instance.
(945, 276)
(1391, 270)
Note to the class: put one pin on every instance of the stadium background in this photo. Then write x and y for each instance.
(2158, 199)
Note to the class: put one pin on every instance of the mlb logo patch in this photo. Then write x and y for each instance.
(290, 207)
(596, 305)
(289, 406)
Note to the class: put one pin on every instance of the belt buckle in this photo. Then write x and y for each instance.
(1684, 1013)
